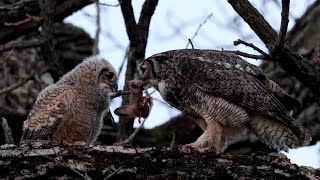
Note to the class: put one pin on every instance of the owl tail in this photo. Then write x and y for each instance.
(286, 100)
(275, 134)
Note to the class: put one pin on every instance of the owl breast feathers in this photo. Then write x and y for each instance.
(226, 96)
(72, 110)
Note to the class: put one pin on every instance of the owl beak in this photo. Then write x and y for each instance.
(113, 86)
(148, 72)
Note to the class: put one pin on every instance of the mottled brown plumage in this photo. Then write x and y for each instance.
(72, 110)
(226, 96)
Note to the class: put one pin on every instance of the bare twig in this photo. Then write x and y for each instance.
(135, 132)
(20, 44)
(283, 28)
(60, 160)
(239, 41)
(15, 85)
(13, 6)
(191, 43)
(173, 140)
(113, 173)
(21, 83)
(105, 4)
(96, 39)
(123, 61)
(200, 25)
(7, 131)
(120, 93)
(252, 56)
(28, 19)
(3, 60)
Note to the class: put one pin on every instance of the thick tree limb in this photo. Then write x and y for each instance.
(48, 9)
(100, 162)
(305, 71)
(130, 22)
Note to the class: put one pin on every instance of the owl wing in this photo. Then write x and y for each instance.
(221, 79)
(47, 113)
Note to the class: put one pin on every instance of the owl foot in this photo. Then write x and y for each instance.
(211, 139)
(199, 146)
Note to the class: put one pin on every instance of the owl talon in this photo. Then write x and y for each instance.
(189, 148)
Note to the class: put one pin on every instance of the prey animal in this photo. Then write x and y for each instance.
(138, 106)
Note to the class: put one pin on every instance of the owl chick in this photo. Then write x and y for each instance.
(226, 96)
(72, 110)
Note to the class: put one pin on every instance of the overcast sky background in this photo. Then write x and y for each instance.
(171, 25)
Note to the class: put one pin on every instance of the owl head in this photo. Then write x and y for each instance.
(155, 68)
(93, 71)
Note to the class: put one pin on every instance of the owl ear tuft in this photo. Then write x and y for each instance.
(126, 111)
(161, 58)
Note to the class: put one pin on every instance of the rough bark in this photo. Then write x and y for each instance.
(115, 162)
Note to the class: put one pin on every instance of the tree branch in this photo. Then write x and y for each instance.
(135, 132)
(95, 48)
(105, 4)
(138, 35)
(289, 60)
(31, 7)
(15, 85)
(283, 28)
(247, 55)
(198, 29)
(256, 21)
(7, 131)
(145, 17)
(130, 22)
(239, 41)
(48, 9)
(101, 162)
(20, 44)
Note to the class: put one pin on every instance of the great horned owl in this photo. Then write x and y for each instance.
(72, 110)
(226, 96)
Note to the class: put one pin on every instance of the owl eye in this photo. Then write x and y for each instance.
(105, 74)
(109, 75)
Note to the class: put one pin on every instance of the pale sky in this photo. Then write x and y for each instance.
(172, 24)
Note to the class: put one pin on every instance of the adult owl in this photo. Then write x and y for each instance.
(226, 96)
(72, 110)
